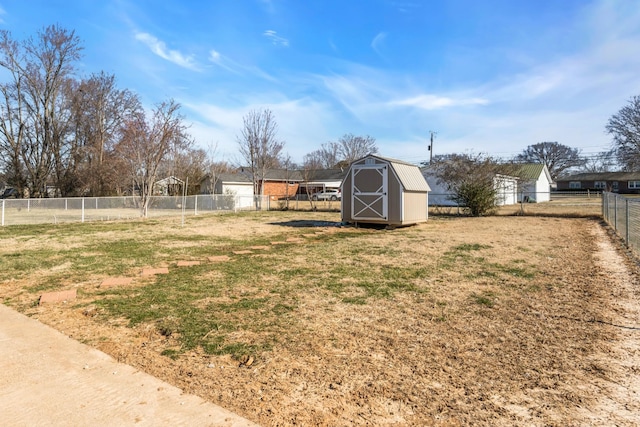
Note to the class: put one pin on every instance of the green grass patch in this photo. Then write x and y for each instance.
(248, 304)
(355, 300)
(487, 299)
(468, 247)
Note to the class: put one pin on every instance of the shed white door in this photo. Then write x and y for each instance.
(369, 185)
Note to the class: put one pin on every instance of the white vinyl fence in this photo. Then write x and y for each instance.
(82, 209)
(623, 214)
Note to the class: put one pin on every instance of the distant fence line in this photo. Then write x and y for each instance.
(623, 214)
(445, 199)
(85, 209)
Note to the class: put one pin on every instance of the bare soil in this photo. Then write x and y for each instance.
(560, 346)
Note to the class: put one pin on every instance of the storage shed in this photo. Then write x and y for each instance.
(379, 190)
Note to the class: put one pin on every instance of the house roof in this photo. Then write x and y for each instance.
(603, 176)
(283, 175)
(327, 174)
(276, 174)
(530, 171)
(233, 177)
(525, 171)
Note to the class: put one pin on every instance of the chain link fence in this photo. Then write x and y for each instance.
(84, 209)
(623, 214)
(561, 203)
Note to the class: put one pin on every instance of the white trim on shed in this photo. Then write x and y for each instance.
(384, 191)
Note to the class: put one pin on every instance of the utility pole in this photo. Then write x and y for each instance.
(431, 145)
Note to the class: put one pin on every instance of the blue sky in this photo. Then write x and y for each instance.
(492, 76)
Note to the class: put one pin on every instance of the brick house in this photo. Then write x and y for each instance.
(616, 182)
(277, 183)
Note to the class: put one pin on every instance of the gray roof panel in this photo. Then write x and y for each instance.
(410, 177)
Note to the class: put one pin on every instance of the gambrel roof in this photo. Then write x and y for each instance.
(408, 174)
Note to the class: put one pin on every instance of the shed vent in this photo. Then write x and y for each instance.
(369, 161)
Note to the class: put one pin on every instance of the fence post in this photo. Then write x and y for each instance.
(626, 215)
(615, 213)
(195, 203)
(3, 212)
(83, 209)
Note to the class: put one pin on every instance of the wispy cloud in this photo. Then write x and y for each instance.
(405, 7)
(303, 123)
(275, 38)
(234, 67)
(2, 13)
(160, 48)
(373, 96)
(222, 61)
(435, 102)
(377, 42)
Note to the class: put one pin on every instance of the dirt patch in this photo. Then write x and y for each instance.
(617, 379)
(511, 321)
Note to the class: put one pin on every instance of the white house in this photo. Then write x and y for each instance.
(506, 190)
(235, 185)
(534, 184)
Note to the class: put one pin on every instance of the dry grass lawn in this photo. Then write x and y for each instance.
(504, 320)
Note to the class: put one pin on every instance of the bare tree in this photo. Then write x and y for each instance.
(13, 135)
(625, 130)
(604, 161)
(311, 164)
(351, 147)
(187, 164)
(328, 156)
(99, 110)
(146, 142)
(214, 167)
(33, 115)
(289, 168)
(471, 180)
(259, 145)
(557, 157)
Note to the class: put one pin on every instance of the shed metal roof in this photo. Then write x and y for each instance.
(409, 175)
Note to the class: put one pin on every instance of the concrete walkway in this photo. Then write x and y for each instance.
(48, 379)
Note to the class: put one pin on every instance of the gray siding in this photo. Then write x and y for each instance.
(407, 192)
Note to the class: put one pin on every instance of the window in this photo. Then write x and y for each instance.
(614, 186)
(600, 185)
(634, 184)
(574, 185)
